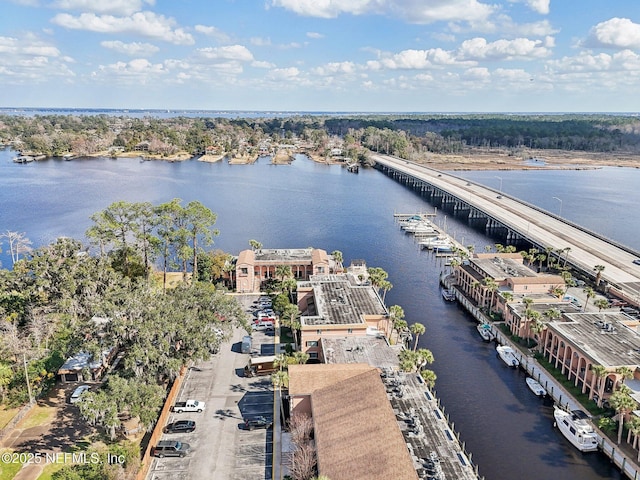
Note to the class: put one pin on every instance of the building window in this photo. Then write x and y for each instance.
(320, 269)
(350, 330)
(318, 332)
(312, 343)
(313, 355)
(244, 271)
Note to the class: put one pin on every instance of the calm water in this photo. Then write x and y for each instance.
(507, 429)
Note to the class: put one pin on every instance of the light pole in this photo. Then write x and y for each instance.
(560, 200)
(500, 178)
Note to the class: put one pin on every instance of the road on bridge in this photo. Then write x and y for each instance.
(540, 227)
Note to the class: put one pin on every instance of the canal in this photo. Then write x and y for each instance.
(508, 430)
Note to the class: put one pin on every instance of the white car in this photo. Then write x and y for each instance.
(77, 393)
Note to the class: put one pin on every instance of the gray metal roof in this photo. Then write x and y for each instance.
(603, 337)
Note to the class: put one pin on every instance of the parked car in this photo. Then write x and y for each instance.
(263, 325)
(257, 423)
(181, 426)
(76, 396)
(170, 448)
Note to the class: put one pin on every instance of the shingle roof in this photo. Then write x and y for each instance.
(356, 432)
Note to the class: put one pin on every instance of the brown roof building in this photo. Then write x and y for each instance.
(343, 400)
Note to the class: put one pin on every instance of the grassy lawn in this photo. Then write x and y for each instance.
(49, 470)
(9, 470)
(38, 416)
(6, 414)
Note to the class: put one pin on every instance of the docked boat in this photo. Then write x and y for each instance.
(535, 387)
(448, 295)
(507, 355)
(576, 428)
(484, 329)
(23, 159)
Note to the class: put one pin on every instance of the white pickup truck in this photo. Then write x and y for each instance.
(188, 406)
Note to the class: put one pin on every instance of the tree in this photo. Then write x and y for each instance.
(338, 258)
(601, 303)
(417, 329)
(633, 426)
(599, 373)
(625, 372)
(622, 403)
(590, 293)
(598, 269)
(491, 287)
(283, 272)
(19, 244)
(199, 222)
(429, 377)
(255, 245)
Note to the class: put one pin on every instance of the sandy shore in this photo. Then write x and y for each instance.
(525, 159)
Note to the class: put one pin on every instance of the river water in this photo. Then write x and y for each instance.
(507, 429)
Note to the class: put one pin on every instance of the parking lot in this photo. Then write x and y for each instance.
(221, 448)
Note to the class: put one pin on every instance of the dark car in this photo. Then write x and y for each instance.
(180, 426)
(637, 261)
(168, 448)
(257, 422)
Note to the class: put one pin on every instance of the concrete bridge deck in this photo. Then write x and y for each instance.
(537, 226)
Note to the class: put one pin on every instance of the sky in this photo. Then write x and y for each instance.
(322, 55)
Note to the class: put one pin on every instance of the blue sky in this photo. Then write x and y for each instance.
(322, 55)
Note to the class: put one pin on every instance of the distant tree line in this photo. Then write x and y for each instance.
(402, 135)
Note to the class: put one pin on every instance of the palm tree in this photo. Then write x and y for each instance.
(255, 245)
(429, 377)
(338, 258)
(537, 326)
(280, 379)
(300, 358)
(566, 251)
(598, 269)
(491, 286)
(633, 426)
(417, 329)
(425, 357)
(622, 403)
(283, 271)
(601, 303)
(281, 361)
(385, 285)
(599, 373)
(590, 293)
(552, 314)
(625, 372)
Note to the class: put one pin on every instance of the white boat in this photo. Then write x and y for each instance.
(507, 355)
(576, 428)
(448, 295)
(535, 387)
(484, 329)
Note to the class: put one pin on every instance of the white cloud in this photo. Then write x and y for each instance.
(615, 33)
(414, 11)
(238, 53)
(31, 59)
(284, 73)
(137, 71)
(134, 49)
(539, 6)
(314, 35)
(479, 49)
(112, 7)
(413, 59)
(477, 74)
(625, 60)
(146, 24)
(260, 42)
(212, 32)
(335, 68)
(262, 64)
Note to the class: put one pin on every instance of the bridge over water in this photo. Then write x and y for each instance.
(518, 223)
